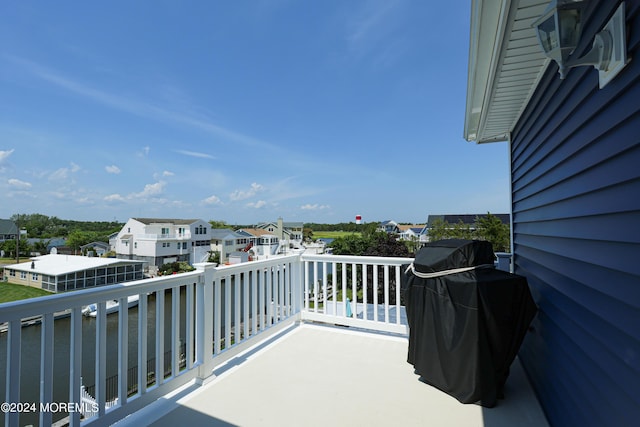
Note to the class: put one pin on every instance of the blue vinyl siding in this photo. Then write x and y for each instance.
(575, 162)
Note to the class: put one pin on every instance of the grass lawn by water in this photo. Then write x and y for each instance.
(10, 292)
(332, 234)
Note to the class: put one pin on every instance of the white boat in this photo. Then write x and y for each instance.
(112, 306)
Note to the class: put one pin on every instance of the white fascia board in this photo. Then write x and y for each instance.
(488, 24)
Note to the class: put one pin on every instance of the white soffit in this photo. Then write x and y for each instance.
(505, 66)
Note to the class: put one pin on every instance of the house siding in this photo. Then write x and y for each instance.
(575, 157)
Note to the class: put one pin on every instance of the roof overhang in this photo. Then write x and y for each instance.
(505, 66)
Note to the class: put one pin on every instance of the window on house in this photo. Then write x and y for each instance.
(184, 245)
(135, 245)
(23, 274)
(34, 276)
(165, 231)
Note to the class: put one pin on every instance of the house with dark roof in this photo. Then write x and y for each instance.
(8, 230)
(572, 136)
(389, 226)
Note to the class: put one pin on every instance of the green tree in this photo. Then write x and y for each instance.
(79, 238)
(438, 230)
(492, 229)
(218, 224)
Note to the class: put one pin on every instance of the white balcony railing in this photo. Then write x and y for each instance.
(189, 323)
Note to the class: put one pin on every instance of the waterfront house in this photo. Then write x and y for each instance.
(60, 273)
(158, 241)
(574, 155)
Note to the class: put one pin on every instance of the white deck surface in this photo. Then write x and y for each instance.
(327, 376)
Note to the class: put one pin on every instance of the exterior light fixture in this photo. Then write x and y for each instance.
(559, 30)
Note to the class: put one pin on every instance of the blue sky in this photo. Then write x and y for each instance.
(240, 111)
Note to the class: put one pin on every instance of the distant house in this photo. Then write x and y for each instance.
(226, 242)
(389, 227)
(466, 219)
(8, 230)
(263, 242)
(158, 241)
(290, 233)
(61, 273)
(59, 243)
(97, 248)
(410, 232)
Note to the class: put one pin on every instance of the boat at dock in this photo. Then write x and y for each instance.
(112, 306)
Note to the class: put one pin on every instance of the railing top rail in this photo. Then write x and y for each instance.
(376, 260)
(59, 302)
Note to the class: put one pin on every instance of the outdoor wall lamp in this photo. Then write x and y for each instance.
(559, 29)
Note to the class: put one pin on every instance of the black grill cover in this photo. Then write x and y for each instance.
(465, 328)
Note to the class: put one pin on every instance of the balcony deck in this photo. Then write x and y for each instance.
(246, 344)
(325, 375)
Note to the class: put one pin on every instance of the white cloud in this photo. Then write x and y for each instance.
(149, 190)
(259, 204)
(212, 200)
(195, 154)
(114, 198)
(63, 173)
(21, 185)
(112, 169)
(168, 173)
(4, 155)
(145, 152)
(314, 207)
(241, 195)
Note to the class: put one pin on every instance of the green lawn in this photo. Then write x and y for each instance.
(332, 234)
(10, 292)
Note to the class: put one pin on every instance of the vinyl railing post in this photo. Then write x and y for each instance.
(204, 322)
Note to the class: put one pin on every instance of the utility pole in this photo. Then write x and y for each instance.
(18, 241)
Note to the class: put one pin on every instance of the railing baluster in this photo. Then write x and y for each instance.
(269, 296)
(398, 305)
(317, 287)
(160, 337)
(364, 292)
(354, 289)
(375, 292)
(324, 287)
(275, 294)
(217, 315)
(227, 311)
(246, 315)
(334, 285)
(175, 331)
(386, 294)
(46, 366)
(75, 363)
(101, 357)
(255, 312)
(189, 318)
(344, 289)
(261, 306)
(237, 303)
(306, 285)
(123, 350)
(142, 344)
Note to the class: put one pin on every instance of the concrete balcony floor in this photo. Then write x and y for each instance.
(312, 375)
